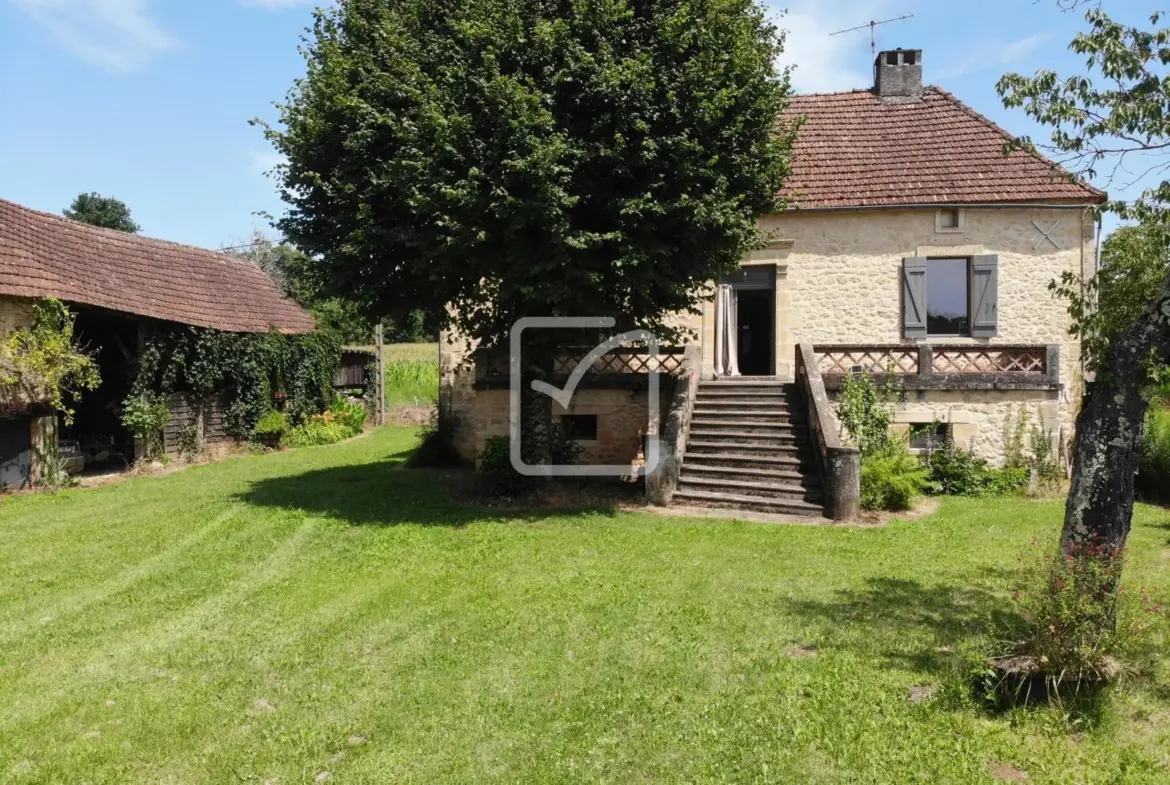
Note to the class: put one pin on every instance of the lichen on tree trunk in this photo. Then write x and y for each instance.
(1109, 432)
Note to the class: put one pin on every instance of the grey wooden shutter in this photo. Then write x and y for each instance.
(914, 297)
(984, 296)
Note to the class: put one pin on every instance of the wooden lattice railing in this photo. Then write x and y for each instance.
(624, 363)
(867, 358)
(944, 366)
(990, 359)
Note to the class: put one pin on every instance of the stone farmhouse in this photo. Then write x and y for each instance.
(912, 245)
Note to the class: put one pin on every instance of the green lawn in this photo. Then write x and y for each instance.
(326, 614)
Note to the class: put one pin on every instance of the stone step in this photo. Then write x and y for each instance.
(775, 449)
(742, 422)
(743, 403)
(781, 435)
(748, 422)
(768, 490)
(786, 461)
(732, 501)
(745, 381)
(779, 472)
(732, 391)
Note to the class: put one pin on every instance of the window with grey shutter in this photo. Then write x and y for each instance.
(914, 297)
(984, 296)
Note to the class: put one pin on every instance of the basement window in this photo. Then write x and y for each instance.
(929, 436)
(580, 427)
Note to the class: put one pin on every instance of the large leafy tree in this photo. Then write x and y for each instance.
(515, 158)
(1124, 116)
(105, 211)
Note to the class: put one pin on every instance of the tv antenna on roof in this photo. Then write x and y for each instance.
(872, 24)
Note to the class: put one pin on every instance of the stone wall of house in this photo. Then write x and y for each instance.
(838, 280)
(981, 421)
(622, 421)
(844, 272)
(15, 313)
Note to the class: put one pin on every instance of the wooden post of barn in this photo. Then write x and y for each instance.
(380, 381)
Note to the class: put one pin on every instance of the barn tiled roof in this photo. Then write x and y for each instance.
(44, 255)
(855, 150)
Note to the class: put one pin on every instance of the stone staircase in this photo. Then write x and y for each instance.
(749, 449)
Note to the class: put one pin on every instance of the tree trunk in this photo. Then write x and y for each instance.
(1109, 433)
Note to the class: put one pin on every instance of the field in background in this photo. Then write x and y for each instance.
(412, 374)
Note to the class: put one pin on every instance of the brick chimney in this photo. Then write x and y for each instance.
(897, 75)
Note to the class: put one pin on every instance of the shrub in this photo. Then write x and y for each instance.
(317, 430)
(351, 414)
(865, 412)
(1153, 479)
(146, 416)
(1074, 623)
(1034, 455)
(270, 428)
(495, 463)
(892, 480)
(957, 472)
(436, 444)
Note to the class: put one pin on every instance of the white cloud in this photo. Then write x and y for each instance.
(824, 62)
(978, 59)
(1018, 50)
(118, 35)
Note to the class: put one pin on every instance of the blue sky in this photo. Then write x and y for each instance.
(149, 101)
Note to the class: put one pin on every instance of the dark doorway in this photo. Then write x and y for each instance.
(755, 317)
(97, 431)
(15, 453)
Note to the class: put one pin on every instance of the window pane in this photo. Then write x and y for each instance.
(946, 297)
(929, 437)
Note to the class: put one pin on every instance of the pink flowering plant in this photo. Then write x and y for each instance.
(1078, 623)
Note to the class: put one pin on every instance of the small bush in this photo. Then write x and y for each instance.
(892, 480)
(495, 463)
(146, 417)
(865, 412)
(1153, 480)
(351, 414)
(436, 444)
(270, 428)
(1073, 622)
(317, 430)
(957, 472)
(1035, 454)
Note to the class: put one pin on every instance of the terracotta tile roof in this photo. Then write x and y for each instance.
(44, 255)
(856, 151)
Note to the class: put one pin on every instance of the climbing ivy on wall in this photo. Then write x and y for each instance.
(244, 369)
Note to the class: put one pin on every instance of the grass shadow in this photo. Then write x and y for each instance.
(386, 493)
(896, 609)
